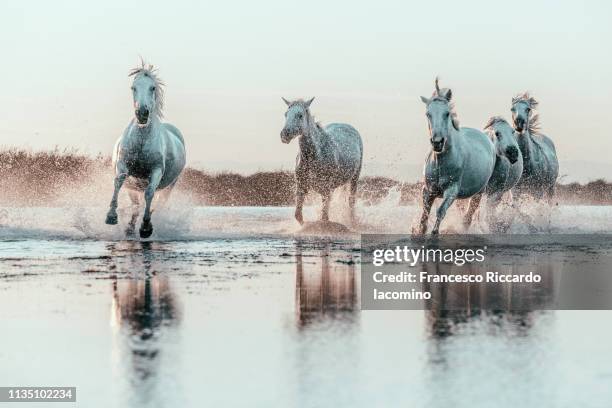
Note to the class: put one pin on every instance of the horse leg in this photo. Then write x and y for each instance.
(326, 199)
(129, 231)
(111, 216)
(550, 196)
(300, 194)
(428, 199)
(516, 201)
(146, 229)
(163, 196)
(474, 203)
(352, 194)
(448, 198)
(493, 201)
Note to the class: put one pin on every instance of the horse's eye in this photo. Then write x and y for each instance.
(152, 88)
(498, 134)
(446, 115)
(299, 116)
(528, 110)
(132, 88)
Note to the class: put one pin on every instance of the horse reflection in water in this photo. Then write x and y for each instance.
(454, 305)
(324, 287)
(144, 312)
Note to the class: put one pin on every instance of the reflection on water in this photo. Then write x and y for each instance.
(324, 287)
(512, 304)
(145, 311)
(327, 314)
(277, 322)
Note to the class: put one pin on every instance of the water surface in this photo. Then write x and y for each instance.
(230, 307)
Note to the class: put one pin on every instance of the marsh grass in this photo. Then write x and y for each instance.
(68, 177)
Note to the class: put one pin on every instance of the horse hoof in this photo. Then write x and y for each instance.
(111, 219)
(146, 231)
(434, 232)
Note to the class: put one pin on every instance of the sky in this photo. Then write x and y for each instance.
(226, 65)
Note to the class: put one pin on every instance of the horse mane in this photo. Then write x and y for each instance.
(493, 120)
(527, 98)
(150, 71)
(533, 125)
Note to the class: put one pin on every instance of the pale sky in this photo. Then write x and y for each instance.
(226, 65)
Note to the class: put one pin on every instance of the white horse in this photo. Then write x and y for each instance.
(150, 155)
(460, 163)
(540, 164)
(508, 166)
(328, 158)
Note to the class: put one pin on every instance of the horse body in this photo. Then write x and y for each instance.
(460, 163)
(137, 152)
(150, 155)
(541, 167)
(328, 158)
(336, 159)
(508, 165)
(540, 163)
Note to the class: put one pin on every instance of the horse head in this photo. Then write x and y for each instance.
(147, 94)
(523, 106)
(502, 135)
(297, 119)
(441, 117)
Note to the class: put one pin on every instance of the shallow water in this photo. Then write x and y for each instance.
(230, 307)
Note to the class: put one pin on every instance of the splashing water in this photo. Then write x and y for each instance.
(180, 221)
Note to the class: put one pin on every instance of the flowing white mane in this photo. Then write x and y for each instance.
(493, 120)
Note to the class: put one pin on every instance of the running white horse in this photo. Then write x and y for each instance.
(328, 158)
(540, 164)
(508, 166)
(150, 155)
(460, 163)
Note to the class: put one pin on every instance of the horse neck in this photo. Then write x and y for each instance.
(451, 144)
(314, 141)
(139, 136)
(525, 144)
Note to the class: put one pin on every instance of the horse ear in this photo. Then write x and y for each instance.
(447, 94)
(309, 102)
(286, 101)
(425, 100)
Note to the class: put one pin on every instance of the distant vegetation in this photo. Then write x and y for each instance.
(67, 177)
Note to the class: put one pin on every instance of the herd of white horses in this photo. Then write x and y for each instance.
(463, 162)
